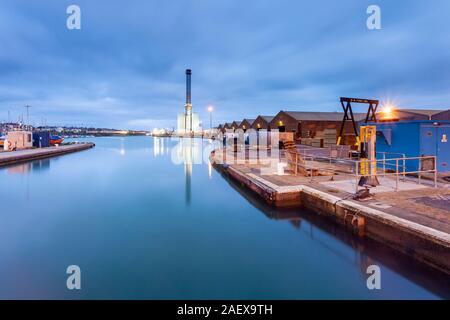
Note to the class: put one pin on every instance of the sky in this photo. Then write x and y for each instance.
(125, 67)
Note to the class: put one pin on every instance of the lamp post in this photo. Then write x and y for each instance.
(210, 110)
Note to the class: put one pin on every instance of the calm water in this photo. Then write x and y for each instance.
(140, 226)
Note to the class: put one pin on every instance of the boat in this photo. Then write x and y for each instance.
(54, 140)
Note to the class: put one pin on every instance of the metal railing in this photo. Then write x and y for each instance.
(385, 167)
(401, 167)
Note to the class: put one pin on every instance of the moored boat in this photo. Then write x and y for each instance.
(54, 140)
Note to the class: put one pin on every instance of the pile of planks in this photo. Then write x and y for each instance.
(295, 161)
(329, 137)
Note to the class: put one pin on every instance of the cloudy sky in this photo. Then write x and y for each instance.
(125, 67)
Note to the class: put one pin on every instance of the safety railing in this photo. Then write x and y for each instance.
(385, 165)
(401, 167)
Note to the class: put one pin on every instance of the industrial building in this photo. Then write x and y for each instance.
(442, 116)
(246, 124)
(414, 114)
(188, 122)
(262, 122)
(416, 138)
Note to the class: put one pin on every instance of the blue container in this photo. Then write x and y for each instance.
(414, 139)
(41, 139)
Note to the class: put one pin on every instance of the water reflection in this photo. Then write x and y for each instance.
(41, 165)
(366, 252)
(19, 168)
(28, 167)
(186, 152)
(209, 169)
(158, 146)
(188, 175)
(297, 254)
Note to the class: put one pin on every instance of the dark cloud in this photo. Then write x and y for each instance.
(125, 67)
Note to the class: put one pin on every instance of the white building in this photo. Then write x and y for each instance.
(184, 122)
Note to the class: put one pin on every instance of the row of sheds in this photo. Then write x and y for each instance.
(411, 132)
(303, 124)
(309, 124)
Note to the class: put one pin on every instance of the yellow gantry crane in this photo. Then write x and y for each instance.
(368, 160)
(346, 104)
(365, 140)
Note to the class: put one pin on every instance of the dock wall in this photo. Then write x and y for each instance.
(13, 157)
(425, 244)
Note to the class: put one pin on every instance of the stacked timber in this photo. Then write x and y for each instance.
(306, 141)
(329, 137)
(306, 133)
(295, 161)
(317, 142)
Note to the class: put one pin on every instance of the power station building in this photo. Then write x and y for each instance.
(188, 122)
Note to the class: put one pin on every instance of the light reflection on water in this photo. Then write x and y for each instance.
(147, 218)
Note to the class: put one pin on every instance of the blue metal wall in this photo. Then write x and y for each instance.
(434, 141)
(416, 138)
(444, 148)
(41, 139)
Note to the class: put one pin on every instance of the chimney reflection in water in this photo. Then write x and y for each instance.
(188, 151)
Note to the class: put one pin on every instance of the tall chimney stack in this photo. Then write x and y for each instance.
(188, 86)
(188, 105)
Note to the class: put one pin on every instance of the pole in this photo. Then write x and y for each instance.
(210, 121)
(435, 172)
(396, 174)
(28, 116)
(404, 168)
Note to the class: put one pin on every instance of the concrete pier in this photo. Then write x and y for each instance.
(13, 157)
(409, 221)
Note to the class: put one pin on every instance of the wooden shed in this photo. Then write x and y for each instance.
(246, 124)
(235, 125)
(262, 122)
(308, 124)
(226, 126)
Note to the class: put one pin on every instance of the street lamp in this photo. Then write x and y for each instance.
(210, 110)
(387, 112)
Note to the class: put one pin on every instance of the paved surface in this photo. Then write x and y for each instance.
(386, 185)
